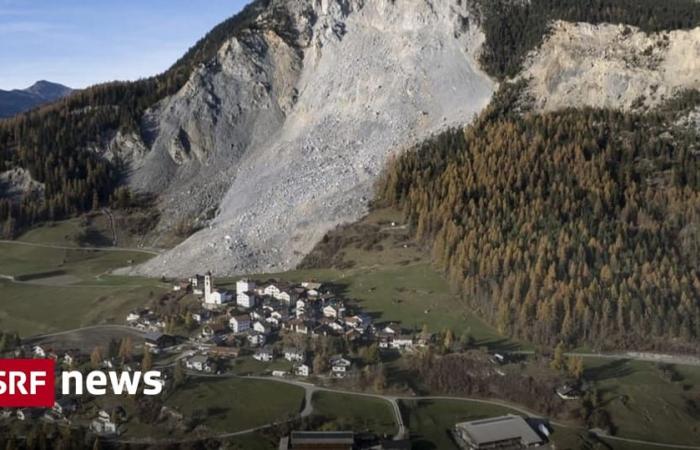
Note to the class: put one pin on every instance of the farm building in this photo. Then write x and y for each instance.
(507, 432)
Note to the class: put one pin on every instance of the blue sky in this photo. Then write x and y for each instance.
(83, 42)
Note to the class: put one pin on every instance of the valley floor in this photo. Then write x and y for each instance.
(56, 292)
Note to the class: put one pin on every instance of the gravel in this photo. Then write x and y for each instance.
(281, 145)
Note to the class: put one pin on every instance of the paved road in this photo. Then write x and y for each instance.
(125, 328)
(685, 360)
(147, 251)
(402, 433)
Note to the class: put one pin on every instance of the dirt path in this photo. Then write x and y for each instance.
(154, 252)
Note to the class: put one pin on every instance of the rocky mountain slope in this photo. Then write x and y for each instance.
(289, 114)
(611, 66)
(20, 100)
(281, 140)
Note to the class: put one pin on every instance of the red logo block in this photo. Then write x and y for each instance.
(27, 383)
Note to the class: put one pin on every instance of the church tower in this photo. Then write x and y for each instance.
(208, 287)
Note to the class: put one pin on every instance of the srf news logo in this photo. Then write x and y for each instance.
(30, 383)
(27, 383)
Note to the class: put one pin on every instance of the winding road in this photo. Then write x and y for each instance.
(402, 433)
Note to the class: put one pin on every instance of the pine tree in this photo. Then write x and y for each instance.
(96, 358)
(320, 364)
(557, 362)
(575, 366)
(449, 340)
(147, 361)
(179, 375)
(126, 349)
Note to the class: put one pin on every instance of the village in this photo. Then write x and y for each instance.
(269, 321)
(292, 331)
(305, 328)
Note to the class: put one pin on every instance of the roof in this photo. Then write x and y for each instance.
(155, 336)
(241, 317)
(502, 428)
(322, 437)
(339, 360)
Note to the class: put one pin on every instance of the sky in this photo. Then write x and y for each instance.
(83, 42)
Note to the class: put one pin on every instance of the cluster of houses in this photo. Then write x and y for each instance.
(339, 365)
(256, 313)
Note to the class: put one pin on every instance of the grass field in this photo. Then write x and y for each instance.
(357, 413)
(234, 404)
(431, 421)
(394, 281)
(247, 365)
(61, 289)
(646, 405)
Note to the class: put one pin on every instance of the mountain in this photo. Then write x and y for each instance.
(282, 140)
(275, 127)
(18, 101)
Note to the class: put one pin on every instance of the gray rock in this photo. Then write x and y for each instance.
(285, 138)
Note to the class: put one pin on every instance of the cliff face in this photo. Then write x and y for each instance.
(612, 66)
(282, 136)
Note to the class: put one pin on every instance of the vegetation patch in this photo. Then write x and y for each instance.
(229, 405)
(353, 412)
(563, 226)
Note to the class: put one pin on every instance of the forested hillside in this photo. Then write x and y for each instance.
(581, 225)
(51, 141)
(515, 27)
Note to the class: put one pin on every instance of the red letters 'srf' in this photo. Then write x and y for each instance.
(27, 383)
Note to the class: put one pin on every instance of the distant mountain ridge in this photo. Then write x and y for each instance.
(20, 100)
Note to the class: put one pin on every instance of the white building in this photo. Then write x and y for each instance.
(402, 343)
(302, 370)
(217, 298)
(271, 290)
(262, 327)
(256, 339)
(243, 286)
(246, 300)
(340, 366)
(264, 354)
(103, 424)
(200, 363)
(213, 296)
(277, 292)
(293, 355)
(301, 307)
(200, 316)
(284, 297)
(239, 324)
(334, 310)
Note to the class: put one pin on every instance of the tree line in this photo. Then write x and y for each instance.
(581, 225)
